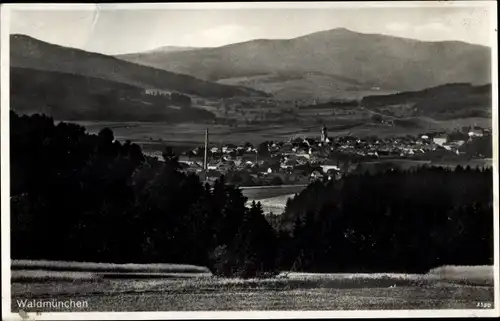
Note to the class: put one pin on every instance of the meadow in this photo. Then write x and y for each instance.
(275, 205)
(272, 198)
(265, 192)
(60, 271)
(104, 267)
(442, 288)
(153, 135)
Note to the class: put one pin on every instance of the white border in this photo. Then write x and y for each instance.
(5, 157)
(252, 5)
(496, 198)
(5, 169)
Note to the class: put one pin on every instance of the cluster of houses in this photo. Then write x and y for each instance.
(454, 142)
(307, 159)
(436, 142)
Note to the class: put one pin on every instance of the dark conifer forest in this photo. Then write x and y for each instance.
(82, 197)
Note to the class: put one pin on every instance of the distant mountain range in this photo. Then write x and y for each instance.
(387, 75)
(340, 61)
(27, 52)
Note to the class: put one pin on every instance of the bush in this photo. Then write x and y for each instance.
(223, 262)
(276, 180)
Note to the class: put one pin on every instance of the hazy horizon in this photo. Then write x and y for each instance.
(116, 32)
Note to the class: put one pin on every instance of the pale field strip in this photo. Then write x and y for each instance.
(43, 270)
(105, 267)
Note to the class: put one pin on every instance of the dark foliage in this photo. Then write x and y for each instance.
(75, 97)
(479, 146)
(342, 104)
(446, 101)
(180, 99)
(393, 221)
(28, 52)
(252, 252)
(86, 197)
(82, 197)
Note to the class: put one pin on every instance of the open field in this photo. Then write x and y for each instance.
(264, 192)
(149, 134)
(105, 267)
(272, 198)
(445, 288)
(74, 276)
(311, 85)
(48, 271)
(276, 204)
(152, 136)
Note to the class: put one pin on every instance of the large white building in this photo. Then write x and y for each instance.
(476, 133)
(440, 140)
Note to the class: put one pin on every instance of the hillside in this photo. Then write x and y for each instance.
(74, 97)
(308, 86)
(376, 61)
(27, 52)
(447, 101)
(164, 49)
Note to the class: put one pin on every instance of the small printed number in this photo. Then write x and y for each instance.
(486, 305)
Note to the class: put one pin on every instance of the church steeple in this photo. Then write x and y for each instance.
(324, 134)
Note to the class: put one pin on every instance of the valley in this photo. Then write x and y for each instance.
(273, 88)
(153, 135)
(253, 160)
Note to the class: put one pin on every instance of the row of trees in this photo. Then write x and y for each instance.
(82, 197)
(392, 221)
(242, 178)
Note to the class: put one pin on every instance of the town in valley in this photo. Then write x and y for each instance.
(271, 157)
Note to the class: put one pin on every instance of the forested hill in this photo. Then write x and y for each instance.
(459, 99)
(75, 97)
(28, 52)
(394, 221)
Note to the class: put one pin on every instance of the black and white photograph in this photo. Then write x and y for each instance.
(249, 160)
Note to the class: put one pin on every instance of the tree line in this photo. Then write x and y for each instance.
(85, 197)
(395, 220)
(82, 197)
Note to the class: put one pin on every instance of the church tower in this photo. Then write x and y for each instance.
(324, 134)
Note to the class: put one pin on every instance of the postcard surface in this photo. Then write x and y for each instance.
(249, 160)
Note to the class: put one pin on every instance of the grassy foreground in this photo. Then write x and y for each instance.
(442, 288)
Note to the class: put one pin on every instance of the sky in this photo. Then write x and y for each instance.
(112, 31)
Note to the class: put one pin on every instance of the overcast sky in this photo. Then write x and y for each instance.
(124, 31)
